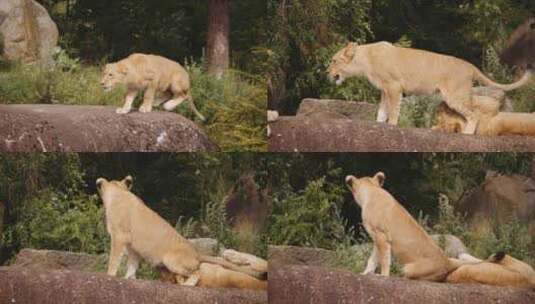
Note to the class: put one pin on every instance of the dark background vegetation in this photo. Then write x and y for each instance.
(94, 30)
(51, 203)
(307, 33)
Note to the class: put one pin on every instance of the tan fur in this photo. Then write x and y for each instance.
(215, 276)
(140, 233)
(506, 271)
(397, 70)
(156, 75)
(394, 231)
(502, 123)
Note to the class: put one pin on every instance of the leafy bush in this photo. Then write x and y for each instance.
(310, 217)
(56, 221)
(60, 84)
(235, 108)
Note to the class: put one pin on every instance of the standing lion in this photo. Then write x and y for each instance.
(156, 76)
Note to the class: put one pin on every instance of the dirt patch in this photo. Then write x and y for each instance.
(62, 128)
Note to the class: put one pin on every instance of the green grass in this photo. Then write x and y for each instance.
(235, 105)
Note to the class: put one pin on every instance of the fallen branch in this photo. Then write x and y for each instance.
(59, 128)
(33, 285)
(303, 284)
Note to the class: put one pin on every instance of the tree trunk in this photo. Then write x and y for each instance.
(217, 48)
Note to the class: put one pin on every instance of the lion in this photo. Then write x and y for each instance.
(499, 270)
(394, 231)
(397, 70)
(156, 75)
(140, 233)
(490, 123)
(215, 276)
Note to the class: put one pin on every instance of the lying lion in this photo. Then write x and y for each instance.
(140, 233)
(215, 276)
(397, 70)
(156, 75)
(490, 123)
(499, 270)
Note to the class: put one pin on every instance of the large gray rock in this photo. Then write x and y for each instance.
(62, 128)
(305, 134)
(58, 260)
(28, 32)
(499, 198)
(43, 286)
(336, 109)
(294, 284)
(292, 255)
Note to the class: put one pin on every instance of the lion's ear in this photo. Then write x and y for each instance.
(100, 181)
(380, 178)
(128, 182)
(349, 52)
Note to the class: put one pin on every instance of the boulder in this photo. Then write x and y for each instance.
(63, 128)
(207, 246)
(58, 260)
(292, 255)
(306, 134)
(499, 198)
(32, 285)
(28, 32)
(336, 109)
(295, 284)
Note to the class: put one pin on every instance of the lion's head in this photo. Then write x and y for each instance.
(340, 67)
(112, 75)
(448, 120)
(353, 182)
(104, 185)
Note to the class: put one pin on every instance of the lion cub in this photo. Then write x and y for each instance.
(140, 233)
(394, 231)
(397, 70)
(153, 74)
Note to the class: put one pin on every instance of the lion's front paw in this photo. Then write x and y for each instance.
(145, 109)
(122, 111)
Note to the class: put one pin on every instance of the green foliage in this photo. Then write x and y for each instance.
(58, 221)
(235, 107)
(66, 83)
(306, 34)
(310, 217)
(512, 236)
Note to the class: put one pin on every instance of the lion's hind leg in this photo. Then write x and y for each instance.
(488, 273)
(425, 269)
(461, 101)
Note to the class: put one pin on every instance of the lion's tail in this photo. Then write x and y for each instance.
(224, 263)
(480, 77)
(194, 109)
(463, 259)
